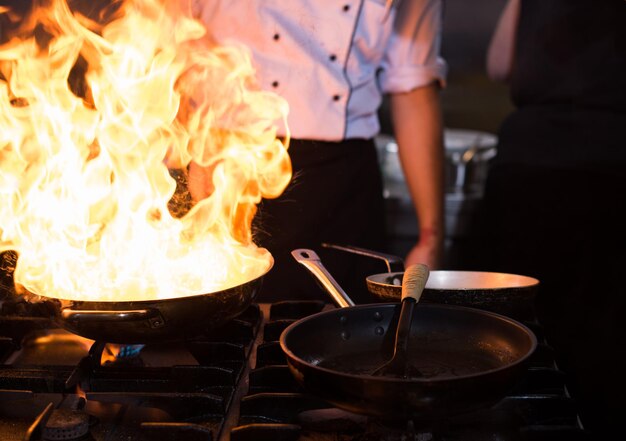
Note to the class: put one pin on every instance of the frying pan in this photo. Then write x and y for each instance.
(503, 293)
(470, 358)
(150, 321)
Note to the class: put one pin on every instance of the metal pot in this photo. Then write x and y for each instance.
(467, 154)
(467, 157)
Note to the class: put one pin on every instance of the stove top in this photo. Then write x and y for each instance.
(232, 384)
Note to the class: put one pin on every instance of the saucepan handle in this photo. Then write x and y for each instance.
(313, 263)
(395, 264)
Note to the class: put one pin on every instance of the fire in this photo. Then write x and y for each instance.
(94, 115)
(114, 352)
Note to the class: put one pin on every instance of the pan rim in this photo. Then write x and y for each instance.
(532, 282)
(121, 304)
(521, 360)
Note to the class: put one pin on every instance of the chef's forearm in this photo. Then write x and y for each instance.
(501, 49)
(418, 129)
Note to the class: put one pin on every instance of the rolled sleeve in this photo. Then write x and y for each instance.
(412, 58)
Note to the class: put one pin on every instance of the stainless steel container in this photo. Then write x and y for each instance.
(467, 153)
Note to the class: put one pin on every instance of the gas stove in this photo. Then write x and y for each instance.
(230, 384)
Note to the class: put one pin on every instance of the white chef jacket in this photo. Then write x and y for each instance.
(332, 60)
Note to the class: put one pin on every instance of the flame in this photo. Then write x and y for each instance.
(80, 392)
(94, 115)
(114, 352)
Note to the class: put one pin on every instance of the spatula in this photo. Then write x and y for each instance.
(413, 283)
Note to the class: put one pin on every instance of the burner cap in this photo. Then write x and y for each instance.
(65, 424)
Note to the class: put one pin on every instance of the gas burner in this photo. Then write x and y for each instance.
(66, 424)
(122, 355)
(331, 420)
(395, 431)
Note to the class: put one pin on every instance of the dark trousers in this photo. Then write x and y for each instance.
(335, 196)
(566, 227)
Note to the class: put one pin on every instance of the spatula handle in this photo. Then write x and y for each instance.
(414, 281)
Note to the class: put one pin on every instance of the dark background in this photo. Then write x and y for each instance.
(471, 100)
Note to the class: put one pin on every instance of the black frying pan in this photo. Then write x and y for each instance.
(152, 321)
(503, 293)
(470, 358)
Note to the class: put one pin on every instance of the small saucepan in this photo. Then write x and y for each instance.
(504, 293)
(467, 358)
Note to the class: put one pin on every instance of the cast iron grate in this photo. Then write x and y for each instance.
(187, 399)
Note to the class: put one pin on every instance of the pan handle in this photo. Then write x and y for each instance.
(313, 263)
(394, 264)
(86, 315)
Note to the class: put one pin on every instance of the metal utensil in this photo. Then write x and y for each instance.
(413, 284)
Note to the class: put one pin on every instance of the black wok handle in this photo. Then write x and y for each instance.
(394, 264)
(86, 315)
(313, 263)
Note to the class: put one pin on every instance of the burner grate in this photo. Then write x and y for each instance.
(230, 385)
(174, 392)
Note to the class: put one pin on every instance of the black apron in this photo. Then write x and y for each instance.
(335, 196)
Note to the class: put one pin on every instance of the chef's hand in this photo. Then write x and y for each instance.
(428, 250)
(200, 181)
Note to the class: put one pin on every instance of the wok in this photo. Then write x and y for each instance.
(503, 293)
(470, 358)
(153, 321)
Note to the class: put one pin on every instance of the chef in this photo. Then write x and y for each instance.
(333, 62)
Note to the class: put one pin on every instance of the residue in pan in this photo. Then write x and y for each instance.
(432, 363)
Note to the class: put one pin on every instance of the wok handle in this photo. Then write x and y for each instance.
(313, 263)
(87, 315)
(394, 264)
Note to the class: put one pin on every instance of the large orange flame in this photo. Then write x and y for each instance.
(93, 114)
